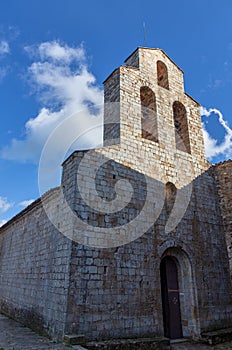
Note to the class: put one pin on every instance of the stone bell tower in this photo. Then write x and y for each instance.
(153, 112)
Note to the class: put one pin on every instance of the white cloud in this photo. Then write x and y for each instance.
(4, 47)
(2, 222)
(25, 203)
(55, 51)
(3, 72)
(212, 147)
(63, 83)
(215, 84)
(4, 204)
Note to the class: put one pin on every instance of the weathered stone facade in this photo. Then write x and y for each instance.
(34, 270)
(107, 276)
(223, 173)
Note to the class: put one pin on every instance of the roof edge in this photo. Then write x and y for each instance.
(222, 162)
(155, 49)
(192, 99)
(29, 208)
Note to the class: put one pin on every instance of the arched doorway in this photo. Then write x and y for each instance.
(170, 298)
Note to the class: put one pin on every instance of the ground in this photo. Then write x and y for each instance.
(14, 336)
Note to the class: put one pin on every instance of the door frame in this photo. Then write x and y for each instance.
(170, 298)
(187, 285)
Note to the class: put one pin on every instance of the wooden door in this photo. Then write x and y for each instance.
(170, 299)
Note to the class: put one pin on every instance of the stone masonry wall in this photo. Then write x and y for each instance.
(116, 292)
(34, 271)
(112, 110)
(211, 259)
(223, 173)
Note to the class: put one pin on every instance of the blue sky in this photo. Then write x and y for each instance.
(54, 56)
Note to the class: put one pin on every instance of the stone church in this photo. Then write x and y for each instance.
(136, 242)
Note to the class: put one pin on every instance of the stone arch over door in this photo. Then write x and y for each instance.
(187, 289)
